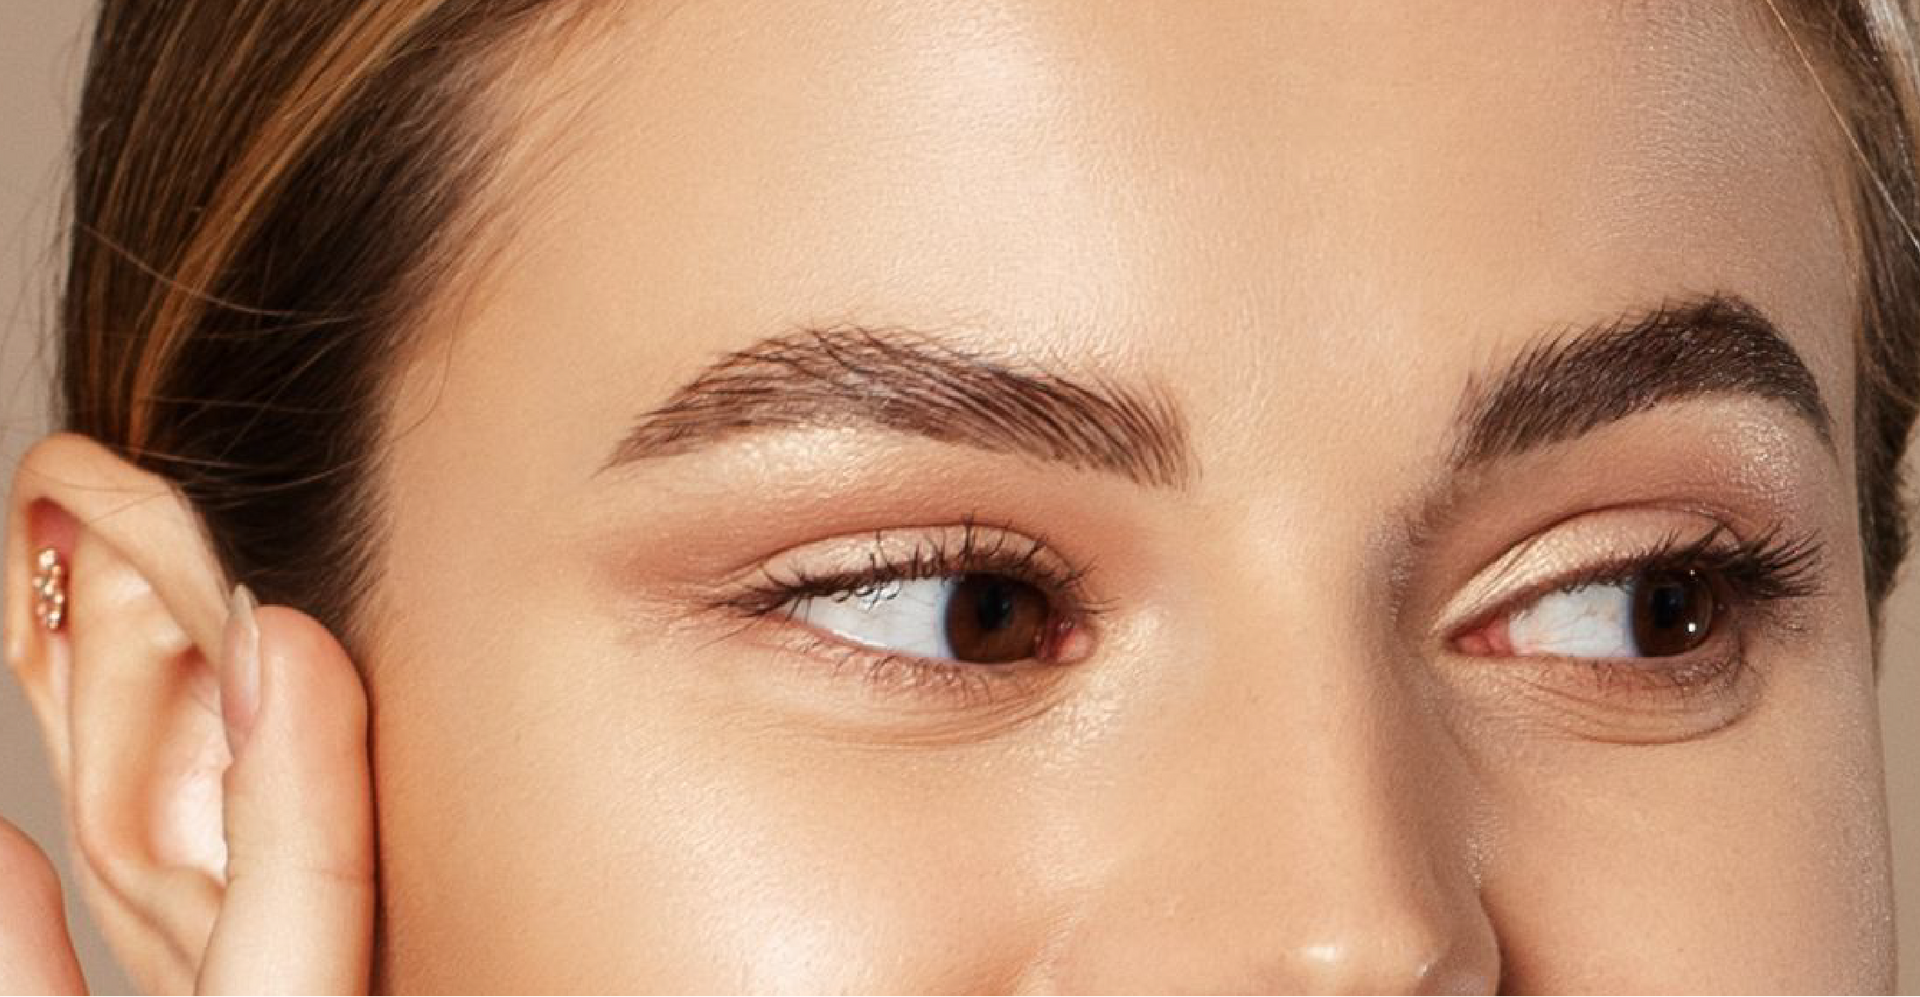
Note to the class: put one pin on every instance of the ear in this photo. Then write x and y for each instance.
(127, 694)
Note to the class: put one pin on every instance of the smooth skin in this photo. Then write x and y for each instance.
(1273, 769)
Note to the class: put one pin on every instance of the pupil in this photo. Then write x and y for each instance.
(1669, 607)
(993, 606)
(1673, 613)
(993, 619)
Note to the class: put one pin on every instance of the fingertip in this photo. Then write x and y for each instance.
(290, 631)
(302, 656)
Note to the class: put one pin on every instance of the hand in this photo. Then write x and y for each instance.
(296, 915)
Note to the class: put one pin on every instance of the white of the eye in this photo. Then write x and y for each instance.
(1592, 621)
(907, 617)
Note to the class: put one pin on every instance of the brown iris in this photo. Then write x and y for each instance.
(1673, 612)
(993, 619)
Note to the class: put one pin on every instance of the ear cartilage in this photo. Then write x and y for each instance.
(50, 589)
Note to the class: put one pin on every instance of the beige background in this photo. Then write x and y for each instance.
(42, 52)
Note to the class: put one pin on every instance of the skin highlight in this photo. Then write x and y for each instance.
(1319, 262)
(1317, 278)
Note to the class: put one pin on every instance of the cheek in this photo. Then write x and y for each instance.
(575, 817)
(1756, 858)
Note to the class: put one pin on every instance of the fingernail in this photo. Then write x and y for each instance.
(240, 669)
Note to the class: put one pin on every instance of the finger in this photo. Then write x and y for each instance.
(36, 956)
(297, 915)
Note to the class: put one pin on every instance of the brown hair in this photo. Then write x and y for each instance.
(1869, 44)
(265, 192)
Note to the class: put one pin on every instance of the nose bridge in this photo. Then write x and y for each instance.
(1307, 845)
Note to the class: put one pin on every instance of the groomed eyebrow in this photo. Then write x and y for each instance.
(1579, 379)
(916, 383)
(1571, 382)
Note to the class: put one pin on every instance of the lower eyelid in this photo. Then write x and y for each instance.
(1703, 681)
(905, 681)
(1612, 701)
(1640, 701)
(1632, 704)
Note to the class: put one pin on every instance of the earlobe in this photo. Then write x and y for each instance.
(126, 690)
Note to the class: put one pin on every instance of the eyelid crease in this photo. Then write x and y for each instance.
(932, 552)
(1770, 567)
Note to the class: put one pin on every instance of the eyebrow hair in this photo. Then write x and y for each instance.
(1568, 384)
(915, 383)
(1579, 379)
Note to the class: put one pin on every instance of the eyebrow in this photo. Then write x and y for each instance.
(1579, 379)
(916, 383)
(1568, 384)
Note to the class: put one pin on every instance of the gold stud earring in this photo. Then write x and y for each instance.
(50, 589)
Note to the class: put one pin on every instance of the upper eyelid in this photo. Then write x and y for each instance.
(931, 551)
(1486, 596)
(932, 558)
(1670, 550)
(1610, 571)
(1797, 558)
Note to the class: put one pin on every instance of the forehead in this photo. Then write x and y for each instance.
(1276, 208)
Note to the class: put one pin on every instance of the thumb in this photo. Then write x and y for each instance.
(297, 914)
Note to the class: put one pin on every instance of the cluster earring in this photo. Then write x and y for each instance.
(50, 589)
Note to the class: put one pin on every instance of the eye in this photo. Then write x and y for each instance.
(1633, 626)
(979, 617)
(1655, 613)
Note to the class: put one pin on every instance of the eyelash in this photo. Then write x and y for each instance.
(979, 548)
(1755, 576)
(1769, 568)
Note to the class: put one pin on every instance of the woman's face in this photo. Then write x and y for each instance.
(956, 496)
